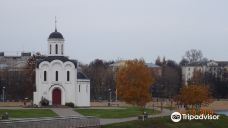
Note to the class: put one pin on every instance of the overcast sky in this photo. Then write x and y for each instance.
(112, 29)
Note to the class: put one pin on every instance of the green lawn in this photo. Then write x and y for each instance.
(28, 113)
(115, 113)
(165, 122)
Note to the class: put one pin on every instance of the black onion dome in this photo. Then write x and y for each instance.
(55, 35)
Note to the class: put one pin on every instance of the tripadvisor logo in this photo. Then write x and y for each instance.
(177, 117)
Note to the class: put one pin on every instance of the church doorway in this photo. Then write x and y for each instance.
(56, 96)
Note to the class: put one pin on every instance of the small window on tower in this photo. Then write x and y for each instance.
(68, 75)
(50, 48)
(62, 49)
(79, 88)
(56, 49)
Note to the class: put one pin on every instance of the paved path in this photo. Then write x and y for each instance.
(65, 112)
(165, 112)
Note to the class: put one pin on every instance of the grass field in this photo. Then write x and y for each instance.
(115, 113)
(165, 122)
(28, 113)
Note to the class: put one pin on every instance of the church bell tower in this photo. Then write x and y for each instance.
(55, 43)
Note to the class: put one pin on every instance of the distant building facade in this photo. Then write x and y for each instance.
(14, 62)
(12, 75)
(218, 69)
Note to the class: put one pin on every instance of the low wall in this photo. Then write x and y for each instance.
(58, 122)
(11, 104)
(124, 104)
(215, 105)
(105, 103)
(218, 105)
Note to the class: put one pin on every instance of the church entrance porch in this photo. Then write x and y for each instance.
(56, 97)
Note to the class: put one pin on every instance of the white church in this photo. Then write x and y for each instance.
(58, 78)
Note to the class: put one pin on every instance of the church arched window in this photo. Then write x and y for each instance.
(56, 49)
(56, 75)
(45, 75)
(50, 49)
(68, 75)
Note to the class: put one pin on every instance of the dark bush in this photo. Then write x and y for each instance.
(70, 104)
(5, 116)
(44, 102)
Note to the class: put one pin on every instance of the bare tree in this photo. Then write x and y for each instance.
(183, 62)
(194, 55)
(168, 84)
(101, 77)
(29, 72)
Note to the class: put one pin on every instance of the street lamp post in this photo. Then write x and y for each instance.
(116, 95)
(3, 94)
(110, 96)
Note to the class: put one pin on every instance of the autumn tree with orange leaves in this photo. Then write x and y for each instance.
(133, 82)
(194, 95)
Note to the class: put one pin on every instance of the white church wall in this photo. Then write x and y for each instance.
(68, 87)
(83, 93)
(37, 95)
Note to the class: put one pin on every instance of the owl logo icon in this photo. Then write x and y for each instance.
(176, 117)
